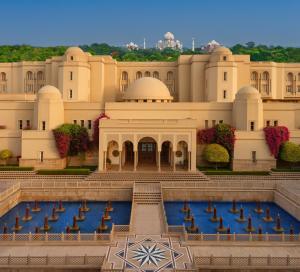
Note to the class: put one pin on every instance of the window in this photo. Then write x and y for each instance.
(20, 124)
(89, 124)
(252, 127)
(147, 74)
(224, 58)
(299, 77)
(71, 75)
(28, 124)
(170, 75)
(268, 123)
(254, 76)
(74, 122)
(253, 156)
(44, 125)
(206, 123)
(29, 75)
(220, 121)
(139, 75)
(224, 94)
(124, 75)
(71, 94)
(213, 122)
(275, 123)
(225, 76)
(265, 76)
(41, 156)
(40, 75)
(155, 74)
(82, 123)
(2, 76)
(72, 58)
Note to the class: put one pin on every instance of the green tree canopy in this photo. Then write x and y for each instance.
(216, 153)
(290, 152)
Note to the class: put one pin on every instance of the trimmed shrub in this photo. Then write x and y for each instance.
(15, 168)
(5, 154)
(290, 152)
(216, 153)
(275, 136)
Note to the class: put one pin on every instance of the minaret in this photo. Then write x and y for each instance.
(144, 43)
(193, 44)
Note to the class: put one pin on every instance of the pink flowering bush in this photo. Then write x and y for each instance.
(275, 137)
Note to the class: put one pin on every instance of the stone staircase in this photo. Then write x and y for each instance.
(179, 176)
(147, 192)
(31, 175)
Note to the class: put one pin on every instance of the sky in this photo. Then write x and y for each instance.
(117, 22)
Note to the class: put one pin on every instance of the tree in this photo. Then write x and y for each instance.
(5, 155)
(216, 153)
(71, 140)
(290, 152)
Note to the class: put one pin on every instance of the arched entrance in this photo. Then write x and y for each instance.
(147, 152)
(166, 154)
(128, 155)
(182, 156)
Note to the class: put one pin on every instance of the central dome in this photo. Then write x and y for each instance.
(147, 88)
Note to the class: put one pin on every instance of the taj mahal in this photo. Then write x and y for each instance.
(148, 205)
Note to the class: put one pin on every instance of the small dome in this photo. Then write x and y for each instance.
(248, 92)
(75, 54)
(221, 50)
(49, 92)
(169, 36)
(147, 88)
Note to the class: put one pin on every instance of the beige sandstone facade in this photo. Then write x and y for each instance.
(154, 108)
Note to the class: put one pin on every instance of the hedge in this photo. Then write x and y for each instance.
(286, 169)
(15, 168)
(77, 171)
(90, 167)
(233, 173)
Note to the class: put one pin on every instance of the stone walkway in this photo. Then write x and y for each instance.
(147, 219)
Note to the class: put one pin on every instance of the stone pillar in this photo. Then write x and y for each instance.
(174, 161)
(158, 161)
(135, 160)
(189, 161)
(120, 160)
(104, 160)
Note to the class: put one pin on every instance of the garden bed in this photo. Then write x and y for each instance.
(75, 171)
(14, 168)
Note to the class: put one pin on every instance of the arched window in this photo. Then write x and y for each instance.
(290, 77)
(299, 77)
(254, 75)
(3, 76)
(170, 75)
(139, 74)
(289, 85)
(155, 74)
(29, 75)
(124, 75)
(147, 74)
(265, 76)
(40, 75)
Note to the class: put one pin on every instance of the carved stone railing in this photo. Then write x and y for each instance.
(266, 262)
(55, 237)
(51, 261)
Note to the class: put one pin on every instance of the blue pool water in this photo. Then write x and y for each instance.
(176, 217)
(120, 216)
